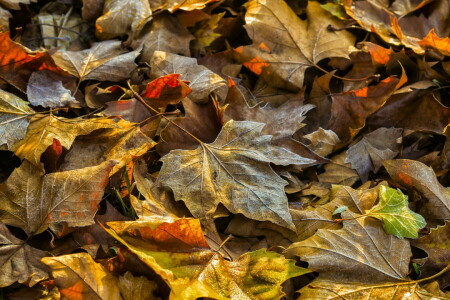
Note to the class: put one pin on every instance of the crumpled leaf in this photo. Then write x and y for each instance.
(19, 262)
(397, 218)
(369, 153)
(121, 17)
(165, 34)
(437, 246)
(323, 142)
(46, 91)
(233, 170)
(416, 175)
(177, 250)
(32, 201)
(14, 118)
(204, 121)
(78, 276)
(121, 144)
(359, 252)
(330, 290)
(283, 58)
(202, 80)
(106, 60)
(44, 129)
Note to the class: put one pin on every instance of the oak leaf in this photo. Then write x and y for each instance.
(283, 58)
(177, 250)
(32, 201)
(78, 276)
(233, 170)
(103, 61)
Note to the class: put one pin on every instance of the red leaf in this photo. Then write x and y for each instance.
(166, 90)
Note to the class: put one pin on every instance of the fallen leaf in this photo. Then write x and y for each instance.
(15, 4)
(233, 170)
(19, 262)
(338, 172)
(173, 5)
(165, 243)
(397, 218)
(323, 142)
(202, 80)
(204, 121)
(131, 110)
(78, 276)
(106, 60)
(369, 153)
(137, 287)
(120, 144)
(44, 129)
(416, 175)
(297, 45)
(46, 91)
(360, 252)
(437, 246)
(33, 201)
(122, 17)
(14, 119)
(379, 54)
(166, 90)
(433, 41)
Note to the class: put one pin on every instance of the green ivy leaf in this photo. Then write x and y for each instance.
(397, 218)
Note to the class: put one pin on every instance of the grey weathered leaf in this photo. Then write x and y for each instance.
(233, 170)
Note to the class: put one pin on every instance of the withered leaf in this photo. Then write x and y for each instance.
(202, 80)
(173, 5)
(78, 276)
(166, 90)
(133, 287)
(339, 172)
(233, 170)
(121, 17)
(32, 201)
(416, 175)
(177, 250)
(360, 252)
(19, 261)
(284, 46)
(106, 60)
(369, 153)
(322, 141)
(14, 119)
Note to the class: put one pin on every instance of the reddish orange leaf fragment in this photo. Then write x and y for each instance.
(379, 54)
(256, 65)
(432, 40)
(166, 90)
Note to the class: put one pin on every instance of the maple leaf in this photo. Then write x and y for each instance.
(369, 153)
(416, 175)
(360, 252)
(283, 58)
(177, 250)
(121, 17)
(106, 60)
(202, 80)
(32, 201)
(44, 129)
(397, 218)
(78, 276)
(233, 170)
(19, 262)
(14, 119)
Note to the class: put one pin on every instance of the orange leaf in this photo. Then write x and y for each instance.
(379, 54)
(166, 90)
(433, 41)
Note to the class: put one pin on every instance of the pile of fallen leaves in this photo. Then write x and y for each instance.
(232, 149)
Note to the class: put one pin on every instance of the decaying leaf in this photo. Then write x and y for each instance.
(78, 276)
(233, 170)
(177, 250)
(132, 287)
(32, 201)
(19, 261)
(106, 60)
(283, 58)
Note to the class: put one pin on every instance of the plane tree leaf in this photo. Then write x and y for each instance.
(121, 17)
(177, 250)
(19, 262)
(32, 201)
(78, 276)
(418, 176)
(359, 252)
(14, 118)
(44, 129)
(202, 80)
(397, 218)
(106, 60)
(233, 170)
(283, 58)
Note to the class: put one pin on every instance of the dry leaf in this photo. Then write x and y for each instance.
(173, 5)
(132, 287)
